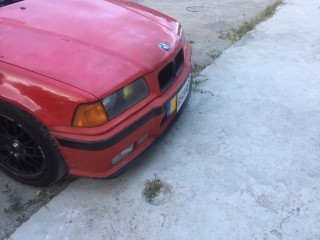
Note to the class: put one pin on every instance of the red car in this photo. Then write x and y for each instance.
(85, 85)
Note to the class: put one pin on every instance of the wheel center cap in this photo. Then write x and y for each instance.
(15, 145)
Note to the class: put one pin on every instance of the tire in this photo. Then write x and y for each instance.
(28, 154)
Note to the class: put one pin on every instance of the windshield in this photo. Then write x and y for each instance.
(7, 2)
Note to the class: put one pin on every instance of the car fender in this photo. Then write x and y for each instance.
(51, 102)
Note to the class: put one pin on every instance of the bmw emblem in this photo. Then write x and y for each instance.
(164, 46)
(15, 145)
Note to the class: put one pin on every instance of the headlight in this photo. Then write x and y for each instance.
(125, 98)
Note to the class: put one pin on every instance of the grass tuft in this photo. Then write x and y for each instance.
(152, 189)
(237, 33)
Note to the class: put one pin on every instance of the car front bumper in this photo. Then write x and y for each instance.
(94, 155)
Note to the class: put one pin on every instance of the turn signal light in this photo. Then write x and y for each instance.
(89, 115)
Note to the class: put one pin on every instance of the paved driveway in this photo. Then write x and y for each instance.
(242, 162)
(204, 22)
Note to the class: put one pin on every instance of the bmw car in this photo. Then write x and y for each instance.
(85, 85)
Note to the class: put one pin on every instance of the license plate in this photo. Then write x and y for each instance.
(176, 102)
(183, 93)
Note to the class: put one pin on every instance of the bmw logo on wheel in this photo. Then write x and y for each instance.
(164, 46)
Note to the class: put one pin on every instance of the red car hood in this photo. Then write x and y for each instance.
(93, 45)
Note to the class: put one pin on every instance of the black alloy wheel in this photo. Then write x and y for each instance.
(27, 151)
(19, 153)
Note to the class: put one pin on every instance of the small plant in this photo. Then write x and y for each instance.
(152, 189)
(7, 189)
(16, 207)
(215, 54)
(195, 86)
(196, 69)
(21, 218)
(45, 195)
(197, 82)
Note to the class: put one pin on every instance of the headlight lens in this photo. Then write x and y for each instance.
(125, 98)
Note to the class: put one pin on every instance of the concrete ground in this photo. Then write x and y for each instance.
(242, 162)
(204, 22)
